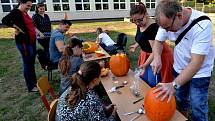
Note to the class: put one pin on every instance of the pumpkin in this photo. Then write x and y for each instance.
(119, 64)
(89, 47)
(104, 72)
(99, 53)
(157, 110)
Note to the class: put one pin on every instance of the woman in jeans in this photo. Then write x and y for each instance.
(25, 38)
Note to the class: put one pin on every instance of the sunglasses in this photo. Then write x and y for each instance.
(137, 20)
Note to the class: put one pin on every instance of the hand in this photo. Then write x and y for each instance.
(132, 48)
(156, 65)
(143, 69)
(17, 31)
(165, 89)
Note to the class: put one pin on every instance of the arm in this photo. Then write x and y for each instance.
(133, 47)
(60, 45)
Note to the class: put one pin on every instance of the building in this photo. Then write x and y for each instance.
(82, 9)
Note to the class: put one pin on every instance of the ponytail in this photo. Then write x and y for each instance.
(78, 90)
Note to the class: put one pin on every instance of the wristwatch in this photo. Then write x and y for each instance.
(175, 85)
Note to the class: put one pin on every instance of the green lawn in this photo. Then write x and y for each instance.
(17, 104)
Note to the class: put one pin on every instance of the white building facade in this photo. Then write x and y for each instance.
(82, 9)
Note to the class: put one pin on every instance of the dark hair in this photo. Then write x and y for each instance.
(138, 9)
(64, 62)
(65, 22)
(39, 5)
(24, 1)
(99, 30)
(87, 73)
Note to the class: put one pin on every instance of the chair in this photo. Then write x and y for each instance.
(52, 111)
(45, 87)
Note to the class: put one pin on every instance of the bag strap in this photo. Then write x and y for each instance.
(189, 27)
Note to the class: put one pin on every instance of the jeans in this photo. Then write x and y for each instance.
(150, 78)
(194, 95)
(28, 52)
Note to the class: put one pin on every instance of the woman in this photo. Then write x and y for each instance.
(80, 102)
(25, 38)
(42, 25)
(146, 32)
(70, 62)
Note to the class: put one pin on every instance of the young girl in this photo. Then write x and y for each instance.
(70, 62)
(80, 102)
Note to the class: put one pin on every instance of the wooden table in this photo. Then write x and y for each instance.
(93, 57)
(124, 101)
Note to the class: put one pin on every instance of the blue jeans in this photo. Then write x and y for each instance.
(28, 53)
(150, 78)
(194, 95)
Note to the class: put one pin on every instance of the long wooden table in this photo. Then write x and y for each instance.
(124, 101)
(93, 57)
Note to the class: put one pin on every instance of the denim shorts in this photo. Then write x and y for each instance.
(194, 95)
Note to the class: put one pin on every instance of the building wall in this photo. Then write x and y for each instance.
(74, 14)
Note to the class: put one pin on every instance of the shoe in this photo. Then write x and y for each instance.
(35, 89)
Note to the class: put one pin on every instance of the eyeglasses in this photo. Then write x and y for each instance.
(173, 20)
(137, 20)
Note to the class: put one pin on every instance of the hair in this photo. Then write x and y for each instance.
(80, 80)
(138, 9)
(99, 30)
(23, 2)
(39, 5)
(169, 8)
(64, 62)
(65, 22)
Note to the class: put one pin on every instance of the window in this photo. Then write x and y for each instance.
(82, 5)
(150, 3)
(101, 4)
(134, 2)
(8, 5)
(119, 4)
(61, 5)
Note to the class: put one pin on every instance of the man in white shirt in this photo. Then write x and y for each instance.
(105, 41)
(193, 57)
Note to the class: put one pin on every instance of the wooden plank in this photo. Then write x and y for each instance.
(124, 101)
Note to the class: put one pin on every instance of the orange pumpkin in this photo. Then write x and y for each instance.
(119, 64)
(157, 110)
(89, 47)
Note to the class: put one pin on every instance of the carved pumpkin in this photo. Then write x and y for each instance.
(157, 110)
(119, 64)
(89, 47)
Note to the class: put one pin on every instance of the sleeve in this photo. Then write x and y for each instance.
(34, 19)
(96, 113)
(9, 19)
(152, 32)
(59, 37)
(161, 35)
(100, 36)
(203, 39)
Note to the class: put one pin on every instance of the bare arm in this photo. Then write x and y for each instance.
(133, 47)
(157, 50)
(60, 45)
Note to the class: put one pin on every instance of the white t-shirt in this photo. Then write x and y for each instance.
(106, 39)
(198, 40)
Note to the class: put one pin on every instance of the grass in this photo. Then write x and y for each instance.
(16, 104)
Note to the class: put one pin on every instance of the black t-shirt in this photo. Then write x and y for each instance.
(142, 38)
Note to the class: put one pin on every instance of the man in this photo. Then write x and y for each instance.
(57, 42)
(193, 57)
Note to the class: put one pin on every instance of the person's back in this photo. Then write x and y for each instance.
(106, 39)
(55, 55)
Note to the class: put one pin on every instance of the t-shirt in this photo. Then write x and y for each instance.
(106, 39)
(142, 38)
(55, 55)
(198, 40)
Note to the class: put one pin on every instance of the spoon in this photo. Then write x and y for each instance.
(139, 111)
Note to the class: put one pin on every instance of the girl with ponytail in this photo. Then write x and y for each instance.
(70, 62)
(80, 102)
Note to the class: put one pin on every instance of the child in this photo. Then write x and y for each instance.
(70, 62)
